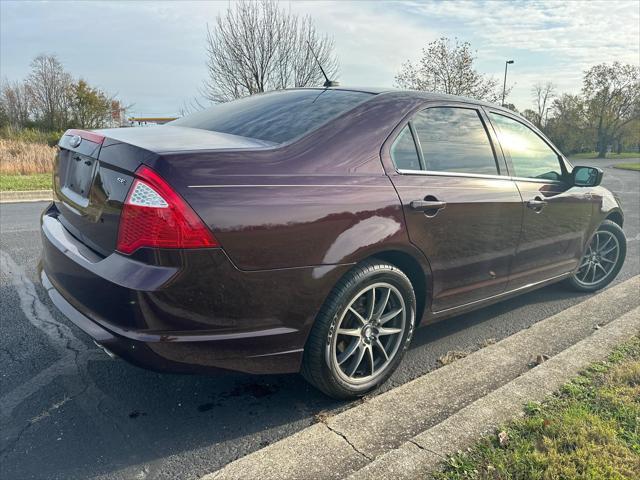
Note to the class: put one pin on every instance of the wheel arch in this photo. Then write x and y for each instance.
(616, 217)
(412, 267)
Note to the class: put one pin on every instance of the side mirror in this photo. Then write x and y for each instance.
(587, 176)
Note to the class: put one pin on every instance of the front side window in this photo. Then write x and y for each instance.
(530, 155)
(454, 140)
(404, 153)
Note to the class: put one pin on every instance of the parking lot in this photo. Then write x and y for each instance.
(69, 411)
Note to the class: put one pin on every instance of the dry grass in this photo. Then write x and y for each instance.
(20, 158)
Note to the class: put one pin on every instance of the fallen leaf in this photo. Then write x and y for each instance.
(503, 438)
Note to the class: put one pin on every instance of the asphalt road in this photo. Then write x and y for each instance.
(67, 411)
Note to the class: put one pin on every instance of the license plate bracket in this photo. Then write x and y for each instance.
(80, 173)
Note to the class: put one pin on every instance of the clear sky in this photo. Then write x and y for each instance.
(152, 54)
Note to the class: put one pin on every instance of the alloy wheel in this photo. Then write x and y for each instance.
(600, 259)
(369, 333)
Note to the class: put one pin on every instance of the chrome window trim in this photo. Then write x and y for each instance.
(450, 174)
(535, 180)
(475, 175)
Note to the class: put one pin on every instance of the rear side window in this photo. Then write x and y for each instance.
(277, 116)
(530, 155)
(454, 140)
(404, 152)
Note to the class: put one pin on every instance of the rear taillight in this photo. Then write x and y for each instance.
(86, 135)
(154, 215)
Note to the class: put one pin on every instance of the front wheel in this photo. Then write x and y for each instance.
(603, 259)
(361, 332)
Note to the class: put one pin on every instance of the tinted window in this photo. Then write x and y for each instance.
(454, 140)
(404, 153)
(530, 155)
(277, 116)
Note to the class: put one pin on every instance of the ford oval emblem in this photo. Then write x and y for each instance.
(75, 140)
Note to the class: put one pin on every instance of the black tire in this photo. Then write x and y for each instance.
(607, 227)
(321, 369)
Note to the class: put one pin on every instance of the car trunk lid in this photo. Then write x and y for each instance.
(89, 192)
(94, 171)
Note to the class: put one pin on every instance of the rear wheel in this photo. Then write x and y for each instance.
(361, 332)
(603, 259)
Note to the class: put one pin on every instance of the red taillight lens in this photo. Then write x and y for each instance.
(87, 135)
(153, 215)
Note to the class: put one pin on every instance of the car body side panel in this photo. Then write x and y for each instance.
(282, 222)
(604, 204)
(471, 242)
(553, 238)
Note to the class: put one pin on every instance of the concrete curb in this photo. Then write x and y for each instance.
(26, 196)
(347, 442)
(425, 452)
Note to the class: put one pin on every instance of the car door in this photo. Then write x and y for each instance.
(460, 208)
(556, 216)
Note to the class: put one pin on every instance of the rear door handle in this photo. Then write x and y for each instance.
(424, 205)
(536, 204)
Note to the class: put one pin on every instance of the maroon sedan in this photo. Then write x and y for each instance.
(313, 229)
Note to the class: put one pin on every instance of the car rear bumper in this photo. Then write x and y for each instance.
(190, 312)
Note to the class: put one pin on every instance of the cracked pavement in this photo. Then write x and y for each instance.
(68, 411)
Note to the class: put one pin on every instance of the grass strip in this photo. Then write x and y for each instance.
(614, 156)
(628, 166)
(37, 181)
(590, 429)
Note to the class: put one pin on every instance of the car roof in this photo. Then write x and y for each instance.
(429, 96)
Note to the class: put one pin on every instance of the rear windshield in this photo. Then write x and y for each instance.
(275, 117)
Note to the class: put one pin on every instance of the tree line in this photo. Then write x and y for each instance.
(50, 99)
(257, 46)
(605, 114)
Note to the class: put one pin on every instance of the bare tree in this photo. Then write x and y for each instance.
(15, 99)
(257, 46)
(447, 66)
(50, 88)
(612, 96)
(542, 94)
(190, 106)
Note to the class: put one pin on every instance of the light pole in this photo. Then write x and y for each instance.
(504, 86)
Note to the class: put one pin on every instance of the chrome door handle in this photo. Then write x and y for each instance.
(423, 205)
(536, 204)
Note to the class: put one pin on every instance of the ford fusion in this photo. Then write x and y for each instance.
(312, 230)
